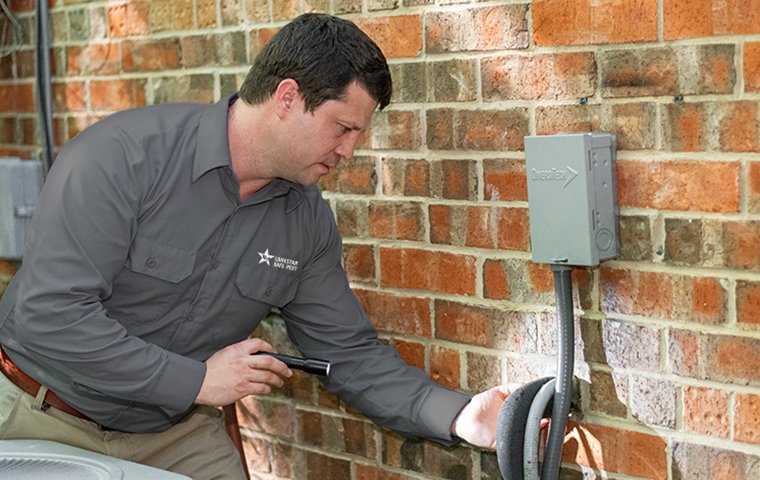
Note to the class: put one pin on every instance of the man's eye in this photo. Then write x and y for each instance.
(344, 129)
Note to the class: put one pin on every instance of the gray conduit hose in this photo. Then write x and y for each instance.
(512, 421)
(44, 91)
(563, 290)
(533, 429)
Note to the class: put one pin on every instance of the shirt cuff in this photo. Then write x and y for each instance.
(438, 413)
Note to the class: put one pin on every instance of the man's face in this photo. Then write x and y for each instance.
(322, 138)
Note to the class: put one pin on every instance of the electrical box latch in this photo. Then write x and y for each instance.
(20, 184)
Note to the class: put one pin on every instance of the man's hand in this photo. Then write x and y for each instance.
(476, 423)
(234, 372)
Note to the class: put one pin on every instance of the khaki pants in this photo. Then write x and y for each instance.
(198, 446)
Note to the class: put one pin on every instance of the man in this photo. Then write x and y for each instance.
(164, 235)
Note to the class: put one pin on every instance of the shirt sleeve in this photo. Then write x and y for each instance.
(325, 320)
(80, 234)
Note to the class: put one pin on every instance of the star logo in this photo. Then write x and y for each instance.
(265, 257)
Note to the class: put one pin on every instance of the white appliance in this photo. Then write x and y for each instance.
(42, 459)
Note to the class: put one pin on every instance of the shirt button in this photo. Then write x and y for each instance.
(268, 292)
(151, 262)
(191, 316)
(214, 264)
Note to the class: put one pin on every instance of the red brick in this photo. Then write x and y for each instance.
(616, 451)
(321, 467)
(483, 28)
(412, 353)
(8, 267)
(568, 119)
(356, 175)
(444, 366)
(732, 359)
(257, 10)
(739, 127)
(359, 262)
(171, 15)
(638, 73)
(23, 5)
(264, 416)
(427, 270)
(628, 292)
(17, 98)
(747, 418)
(400, 221)
(26, 64)
(98, 58)
(68, 97)
(398, 36)
(397, 314)
(679, 185)
(699, 18)
(467, 324)
(24, 153)
(206, 13)
(705, 411)
(632, 125)
(284, 9)
(688, 127)
(685, 350)
(752, 67)
(485, 227)
(748, 303)
(741, 245)
(198, 50)
(410, 178)
(395, 129)
(76, 124)
(454, 179)
(708, 301)
(754, 186)
(497, 130)
(583, 22)
(495, 280)
(513, 229)
(505, 180)
(541, 277)
(130, 18)
(550, 76)
(373, 472)
(257, 454)
(117, 94)
(150, 55)
(29, 131)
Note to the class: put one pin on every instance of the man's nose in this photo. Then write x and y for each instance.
(346, 148)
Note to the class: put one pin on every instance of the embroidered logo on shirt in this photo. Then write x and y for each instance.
(279, 262)
(265, 257)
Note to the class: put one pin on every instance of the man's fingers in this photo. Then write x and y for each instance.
(253, 345)
(268, 362)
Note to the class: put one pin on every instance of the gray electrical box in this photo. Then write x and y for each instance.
(20, 184)
(571, 197)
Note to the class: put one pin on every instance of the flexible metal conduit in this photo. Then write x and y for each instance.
(44, 92)
(563, 290)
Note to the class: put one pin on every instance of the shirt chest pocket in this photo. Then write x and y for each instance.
(269, 285)
(164, 262)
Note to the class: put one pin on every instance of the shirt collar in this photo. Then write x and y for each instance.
(213, 150)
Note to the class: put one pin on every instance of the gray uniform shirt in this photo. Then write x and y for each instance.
(142, 262)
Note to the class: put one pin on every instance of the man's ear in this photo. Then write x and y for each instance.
(286, 97)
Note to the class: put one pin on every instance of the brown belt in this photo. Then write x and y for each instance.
(32, 386)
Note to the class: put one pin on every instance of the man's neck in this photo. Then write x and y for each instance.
(242, 131)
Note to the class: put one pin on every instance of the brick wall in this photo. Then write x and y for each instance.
(434, 215)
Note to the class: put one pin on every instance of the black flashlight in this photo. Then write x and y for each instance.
(308, 365)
